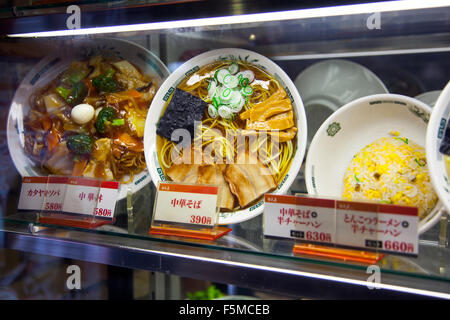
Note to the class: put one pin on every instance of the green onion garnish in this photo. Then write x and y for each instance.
(405, 140)
(118, 122)
(356, 178)
(418, 162)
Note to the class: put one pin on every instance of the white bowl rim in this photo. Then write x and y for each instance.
(436, 213)
(246, 214)
(433, 125)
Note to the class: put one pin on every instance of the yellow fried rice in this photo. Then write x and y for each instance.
(391, 170)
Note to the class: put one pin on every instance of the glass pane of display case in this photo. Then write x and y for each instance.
(90, 102)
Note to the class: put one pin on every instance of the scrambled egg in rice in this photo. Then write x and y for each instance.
(391, 170)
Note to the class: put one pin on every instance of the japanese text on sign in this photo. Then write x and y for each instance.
(352, 224)
(299, 218)
(189, 203)
(378, 226)
(374, 226)
(293, 217)
(91, 197)
(44, 193)
(50, 194)
(186, 204)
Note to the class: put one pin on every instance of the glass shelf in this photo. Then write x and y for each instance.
(433, 261)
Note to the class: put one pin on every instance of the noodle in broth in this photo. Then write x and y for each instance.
(277, 156)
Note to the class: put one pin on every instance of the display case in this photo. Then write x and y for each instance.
(327, 60)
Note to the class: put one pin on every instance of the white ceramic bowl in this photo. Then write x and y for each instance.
(435, 134)
(328, 85)
(180, 74)
(356, 125)
(48, 68)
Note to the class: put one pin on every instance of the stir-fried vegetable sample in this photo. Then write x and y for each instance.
(89, 120)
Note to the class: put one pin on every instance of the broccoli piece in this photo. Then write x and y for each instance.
(106, 114)
(106, 82)
(80, 144)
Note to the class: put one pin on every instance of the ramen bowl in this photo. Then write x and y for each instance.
(435, 134)
(49, 68)
(185, 72)
(356, 125)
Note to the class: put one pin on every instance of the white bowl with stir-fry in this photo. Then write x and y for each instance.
(243, 127)
(373, 149)
(82, 112)
(438, 147)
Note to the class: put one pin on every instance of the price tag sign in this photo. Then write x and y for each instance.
(387, 228)
(302, 218)
(107, 198)
(400, 225)
(55, 194)
(184, 204)
(81, 195)
(361, 225)
(354, 215)
(69, 194)
(32, 193)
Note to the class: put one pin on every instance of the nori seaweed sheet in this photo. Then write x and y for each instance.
(183, 109)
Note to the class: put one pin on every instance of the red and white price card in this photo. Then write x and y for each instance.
(55, 193)
(91, 197)
(186, 204)
(32, 193)
(69, 194)
(383, 227)
(379, 227)
(303, 218)
(81, 195)
(107, 198)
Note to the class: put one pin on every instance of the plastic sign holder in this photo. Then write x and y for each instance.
(344, 230)
(337, 253)
(70, 201)
(187, 210)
